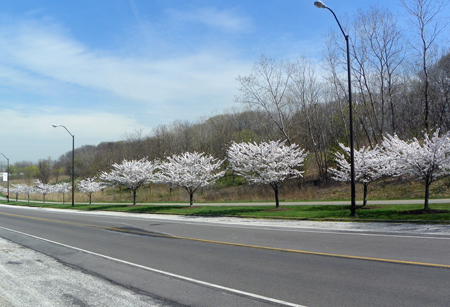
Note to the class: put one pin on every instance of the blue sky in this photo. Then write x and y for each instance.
(106, 68)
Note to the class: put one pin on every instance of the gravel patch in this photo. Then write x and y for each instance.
(28, 278)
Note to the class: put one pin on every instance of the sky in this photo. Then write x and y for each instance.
(108, 68)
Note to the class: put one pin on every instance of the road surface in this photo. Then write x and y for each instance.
(236, 262)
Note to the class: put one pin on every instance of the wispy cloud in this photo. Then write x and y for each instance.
(38, 52)
(60, 79)
(227, 20)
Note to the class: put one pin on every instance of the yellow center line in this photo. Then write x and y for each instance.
(237, 244)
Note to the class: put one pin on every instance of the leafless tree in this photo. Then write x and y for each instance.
(378, 52)
(266, 88)
(45, 169)
(428, 24)
(305, 96)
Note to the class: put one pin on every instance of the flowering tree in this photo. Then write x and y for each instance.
(370, 165)
(22, 189)
(28, 190)
(17, 189)
(62, 188)
(132, 174)
(190, 171)
(89, 186)
(267, 163)
(43, 188)
(426, 161)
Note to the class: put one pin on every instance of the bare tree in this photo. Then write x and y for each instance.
(440, 92)
(305, 95)
(45, 168)
(266, 88)
(426, 19)
(378, 53)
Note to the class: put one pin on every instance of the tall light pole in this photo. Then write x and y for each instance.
(321, 5)
(7, 178)
(73, 161)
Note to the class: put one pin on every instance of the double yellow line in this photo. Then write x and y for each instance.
(236, 244)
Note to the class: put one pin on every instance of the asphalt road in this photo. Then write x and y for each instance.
(232, 262)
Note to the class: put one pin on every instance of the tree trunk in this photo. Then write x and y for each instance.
(134, 197)
(427, 194)
(365, 195)
(277, 201)
(90, 199)
(191, 198)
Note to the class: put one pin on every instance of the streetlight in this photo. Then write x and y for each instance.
(7, 176)
(321, 5)
(73, 160)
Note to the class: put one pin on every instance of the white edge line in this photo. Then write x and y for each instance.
(163, 272)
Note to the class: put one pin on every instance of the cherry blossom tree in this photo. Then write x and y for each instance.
(370, 165)
(89, 186)
(62, 188)
(426, 161)
(17, 189)
(28, 190)
(22, 189)
(266, 163)
(43, 188)
(131, 174)
(191, 171)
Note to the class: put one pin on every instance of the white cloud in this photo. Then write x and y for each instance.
(38, 54)
(47, 76)
(226, 20)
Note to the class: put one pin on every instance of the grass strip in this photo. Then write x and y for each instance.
(395, 213)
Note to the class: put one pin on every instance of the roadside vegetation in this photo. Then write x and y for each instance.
(159, 199)
(396, 213)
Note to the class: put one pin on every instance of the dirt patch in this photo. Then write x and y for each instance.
(425, 211)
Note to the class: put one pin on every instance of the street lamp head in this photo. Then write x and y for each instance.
(320, 4)
(55, 125)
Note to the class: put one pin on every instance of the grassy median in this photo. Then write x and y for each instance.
(438, 212)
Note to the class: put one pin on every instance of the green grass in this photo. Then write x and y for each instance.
(307, 212)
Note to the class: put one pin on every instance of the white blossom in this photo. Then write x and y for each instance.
(426, 161)
(43, 188)
(62, 188)
(370, 165)
(17, 189)
(22, 188)
(266, 163)
(89, 186)
(132, 174)
(28, 190)
(190, 171)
